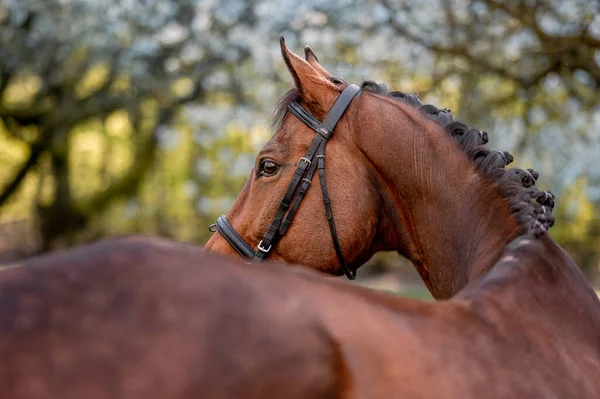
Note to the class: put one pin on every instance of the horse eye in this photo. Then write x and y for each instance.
(268, 168)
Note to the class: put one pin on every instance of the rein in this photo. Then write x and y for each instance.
(313, 160)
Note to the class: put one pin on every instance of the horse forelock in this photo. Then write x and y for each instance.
(281, 108)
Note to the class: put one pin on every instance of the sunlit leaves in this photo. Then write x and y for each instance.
(93, 79)
(21, 90)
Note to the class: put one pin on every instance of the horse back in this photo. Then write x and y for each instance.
(149, 318)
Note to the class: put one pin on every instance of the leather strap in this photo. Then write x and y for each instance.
(299, 185)
(233, 238)
(273, 233)
(299, 112)
(339, 107)
(335, 113)
(306, 183)
(325, 131)
(329, 213)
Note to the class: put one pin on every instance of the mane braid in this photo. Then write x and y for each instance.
(531, 207)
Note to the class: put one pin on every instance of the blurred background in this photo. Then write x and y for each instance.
(144, 116)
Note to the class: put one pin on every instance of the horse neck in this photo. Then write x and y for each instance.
(447, 219)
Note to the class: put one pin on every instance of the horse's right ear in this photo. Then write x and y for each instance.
(313, 61)
(318, 91)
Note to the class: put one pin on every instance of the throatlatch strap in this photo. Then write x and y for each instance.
(329, 212)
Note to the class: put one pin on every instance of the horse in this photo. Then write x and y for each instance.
(387, 198)
(146, 317)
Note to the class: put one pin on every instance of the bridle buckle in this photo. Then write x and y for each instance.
(303, 159)
(260, 246)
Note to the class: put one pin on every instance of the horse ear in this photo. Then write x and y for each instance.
(318, 92)
(313, 61)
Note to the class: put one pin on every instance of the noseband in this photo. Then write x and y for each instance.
(307, 165)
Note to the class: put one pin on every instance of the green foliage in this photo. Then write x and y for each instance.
(578, 225)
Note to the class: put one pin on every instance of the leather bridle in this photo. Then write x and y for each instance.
(313, 160)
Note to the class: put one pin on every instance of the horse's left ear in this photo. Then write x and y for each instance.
(318, 92)
(313, 61)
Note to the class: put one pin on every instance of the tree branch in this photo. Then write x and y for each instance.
(483, 63)
(23, 117)
(455, 51)
(5, 76)
(145, 155)
(37, 149)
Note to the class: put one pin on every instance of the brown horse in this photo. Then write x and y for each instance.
(112, 319)
(397, 180)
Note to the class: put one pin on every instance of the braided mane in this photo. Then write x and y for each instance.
(531, 207)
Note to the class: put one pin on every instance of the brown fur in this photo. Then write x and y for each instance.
(122, 319)
(149, 318)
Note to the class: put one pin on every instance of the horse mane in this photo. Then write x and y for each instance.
(531, 207)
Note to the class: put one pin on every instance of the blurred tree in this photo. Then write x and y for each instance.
(69, 64)
(535, 52)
